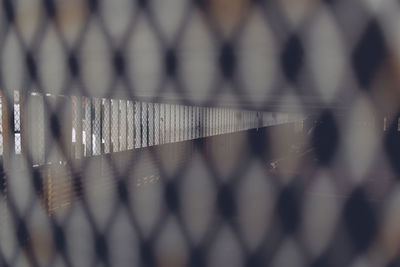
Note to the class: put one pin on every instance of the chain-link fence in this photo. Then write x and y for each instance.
(199, 133)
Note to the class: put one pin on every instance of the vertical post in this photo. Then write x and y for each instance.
(196, 122)
(156, 124)
(17, 122)
(182, 122)
(101, 126)
(88, 127)
(96, 126)
(106, 129)
(192, 125)
(168, 123)
(173, 117)
(23, 120)
(130, 124)
(37, 128)
(8, 129)
(160, 123)
(231, 124)
(202, 123)
(219, 121)
(186, 123)
(232, 121)
(179, 123)
(114, 125)
(78, 128)
(122, 125)
(164, 123)
(66, 126)
(144, 125)
(213, 121)
(150, 116)
(138, 125)
(207, 122)
(228, 120)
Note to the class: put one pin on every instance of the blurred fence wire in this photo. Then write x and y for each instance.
(199, 133)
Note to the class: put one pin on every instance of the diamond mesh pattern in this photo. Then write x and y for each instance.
(318, 187)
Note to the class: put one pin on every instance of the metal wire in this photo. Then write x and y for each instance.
(199, 133)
